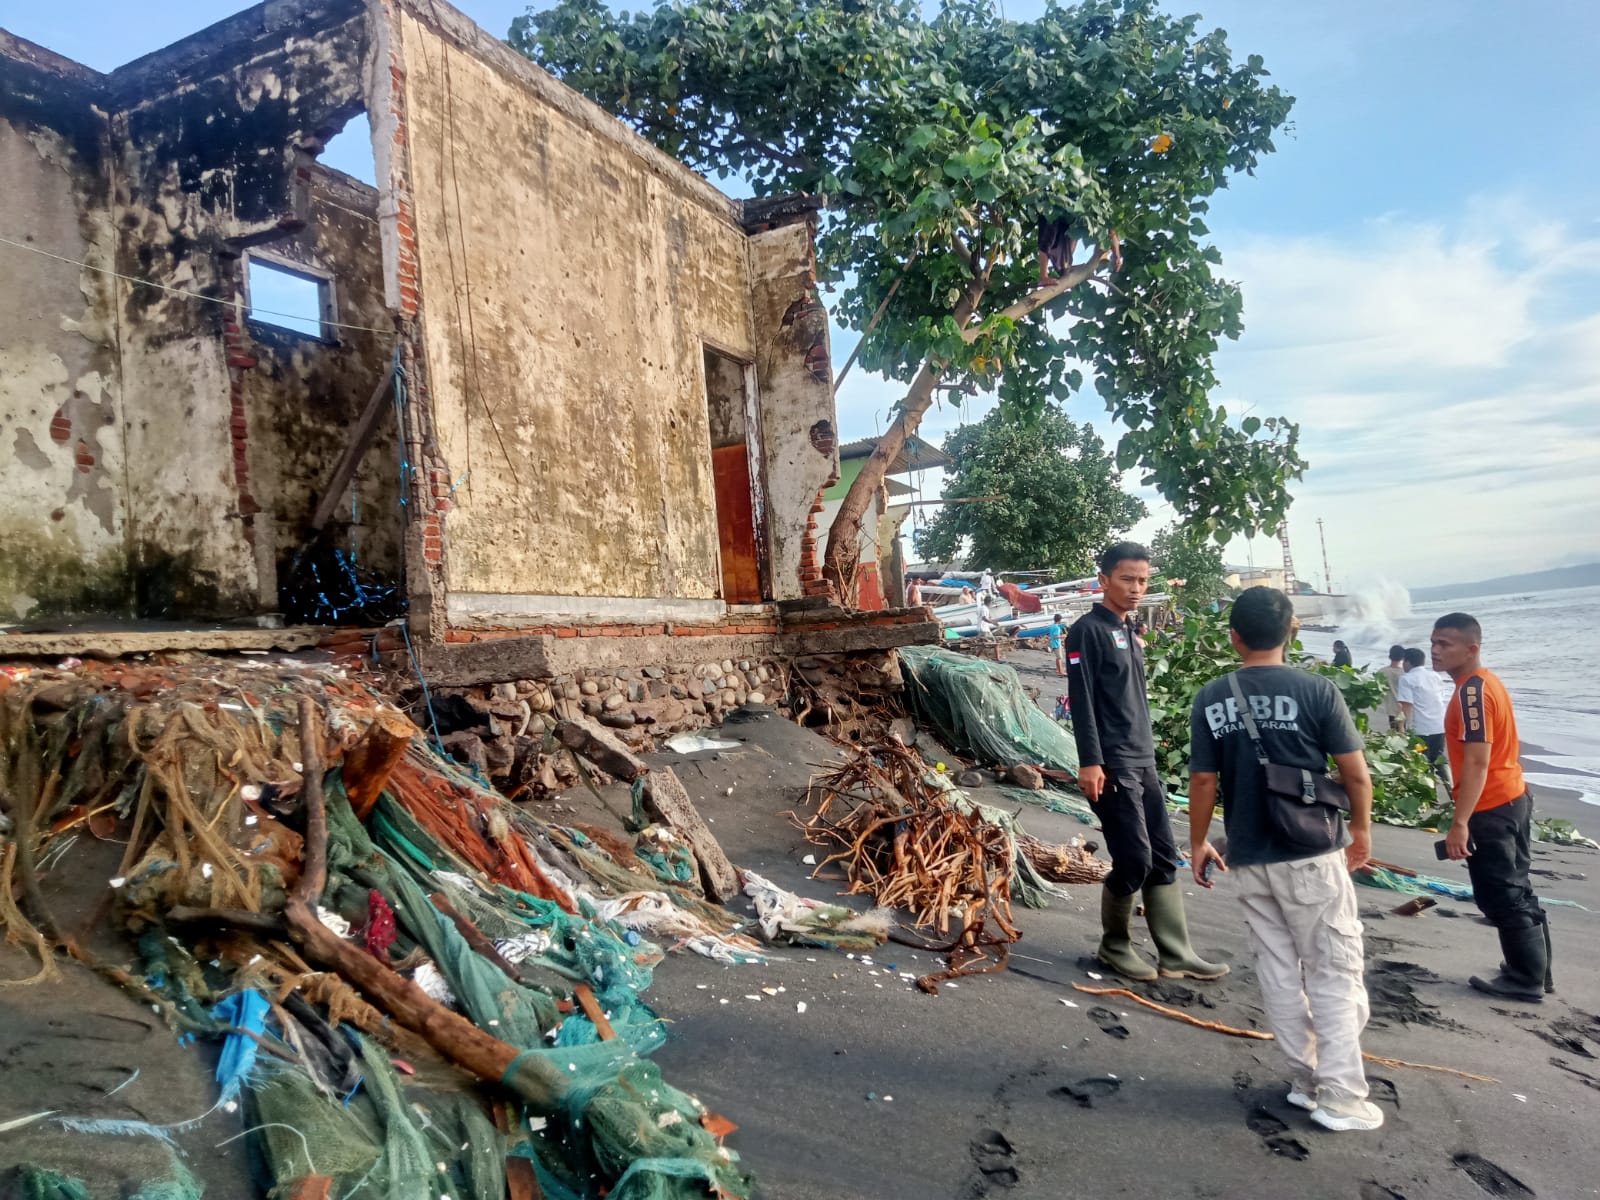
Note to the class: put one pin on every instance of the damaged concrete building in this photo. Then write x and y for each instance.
(562, 403)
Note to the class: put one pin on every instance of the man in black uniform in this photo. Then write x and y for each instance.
(1117, 772)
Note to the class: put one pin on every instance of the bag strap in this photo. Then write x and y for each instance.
(1249, 721)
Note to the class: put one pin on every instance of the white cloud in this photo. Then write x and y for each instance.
(1447, 381)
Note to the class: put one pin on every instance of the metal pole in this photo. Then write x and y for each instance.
(1327, 576)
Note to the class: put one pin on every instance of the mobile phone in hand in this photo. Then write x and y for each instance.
(1441, 848)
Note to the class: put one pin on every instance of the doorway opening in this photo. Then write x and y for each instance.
(736, 475)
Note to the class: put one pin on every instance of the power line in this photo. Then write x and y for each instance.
(161, 287)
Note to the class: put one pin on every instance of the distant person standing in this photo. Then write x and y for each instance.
(1056, 630)
(1494, 811)
(1117, 772)
(913, 593)
(1422, 704)
(1298, 901)
(1388, 712)
(1341, 655)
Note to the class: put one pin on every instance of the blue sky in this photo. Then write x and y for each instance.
(1420, 263)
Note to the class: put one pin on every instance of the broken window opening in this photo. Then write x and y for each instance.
(290, 298)
(350, 150)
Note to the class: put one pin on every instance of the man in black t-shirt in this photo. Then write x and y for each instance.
(1300, 907)
(1117, 772)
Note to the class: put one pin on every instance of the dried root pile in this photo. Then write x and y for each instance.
(901, 838)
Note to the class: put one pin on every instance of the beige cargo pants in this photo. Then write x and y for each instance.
(1307, 942)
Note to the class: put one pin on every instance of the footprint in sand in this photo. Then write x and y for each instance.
(1373, 1190)
(1089, 1092)
(1108, 1021)
(993, 1153)
(1275, 1135)
(1492, 1178)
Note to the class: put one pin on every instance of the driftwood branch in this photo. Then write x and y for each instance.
(452, 1035)
(367, 766)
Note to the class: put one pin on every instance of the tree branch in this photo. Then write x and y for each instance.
(1039, 297)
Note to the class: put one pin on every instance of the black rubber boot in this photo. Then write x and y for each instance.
(1526, 969)
(1169, 926)
(1116, 938)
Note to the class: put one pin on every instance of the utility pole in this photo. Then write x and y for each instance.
(1288, 558)
(1327, 576)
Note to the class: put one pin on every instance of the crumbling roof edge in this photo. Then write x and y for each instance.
(449, 21)
(20, 49)
(162, 70)
(771, 212)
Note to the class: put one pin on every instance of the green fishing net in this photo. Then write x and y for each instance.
(980, 709)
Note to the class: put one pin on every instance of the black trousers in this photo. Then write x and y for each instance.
(1499, 865)
(1133, 817)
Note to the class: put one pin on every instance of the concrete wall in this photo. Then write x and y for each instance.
(63, 511)
(159, 454)
(796, 393)
(569, 279)
(304, 394)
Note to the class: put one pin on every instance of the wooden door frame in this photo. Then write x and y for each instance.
(754, 453)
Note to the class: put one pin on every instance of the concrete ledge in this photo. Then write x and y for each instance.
(542, 656)
(116, 643)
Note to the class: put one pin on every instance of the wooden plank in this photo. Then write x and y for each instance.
(665, 800)
(362, 435)
(591, 1009)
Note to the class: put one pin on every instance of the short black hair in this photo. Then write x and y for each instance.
(1465, 623)
(1262, 617)
(1121, 552)
(1058, 618)
(1396, 651)
(1415, 657)
(1338, 645)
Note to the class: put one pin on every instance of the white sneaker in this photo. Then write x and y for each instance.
(1348, 1116)
(1302, 1096)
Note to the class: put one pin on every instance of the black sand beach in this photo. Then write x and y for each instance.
(1012, 1084)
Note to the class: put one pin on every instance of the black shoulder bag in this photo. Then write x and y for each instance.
(1304, 808)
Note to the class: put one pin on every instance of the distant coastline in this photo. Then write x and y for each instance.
(1586, 575)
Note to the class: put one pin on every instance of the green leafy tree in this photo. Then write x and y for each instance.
(1181, 662)
(1060, 496)
(940, 140)
(1179, 554)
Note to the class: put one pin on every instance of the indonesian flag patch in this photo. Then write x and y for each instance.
(1074, 660)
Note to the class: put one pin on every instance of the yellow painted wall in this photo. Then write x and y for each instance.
(567, 285)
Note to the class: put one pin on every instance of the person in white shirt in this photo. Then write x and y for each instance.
(1422, 702)
(985, 620)
(986, 582)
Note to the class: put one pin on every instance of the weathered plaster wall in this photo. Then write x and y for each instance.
(62, 512)
(212, 134)
(303, 395)
(797, 409)
(158, 454)
(569, 276)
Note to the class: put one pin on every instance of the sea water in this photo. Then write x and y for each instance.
(1545, 646)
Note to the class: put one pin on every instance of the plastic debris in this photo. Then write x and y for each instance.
(695, 743)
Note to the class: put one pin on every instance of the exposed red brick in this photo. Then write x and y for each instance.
(566, 631)
(60, 427)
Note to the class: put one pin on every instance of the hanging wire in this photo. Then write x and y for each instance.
(161, 287)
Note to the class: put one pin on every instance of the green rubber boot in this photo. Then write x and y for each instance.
(1163, 908)
(1116, 940)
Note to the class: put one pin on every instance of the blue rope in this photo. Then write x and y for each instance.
(427, 697)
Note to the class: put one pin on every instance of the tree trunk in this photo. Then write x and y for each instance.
(842, 559)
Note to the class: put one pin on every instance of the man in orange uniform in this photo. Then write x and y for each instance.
(1493, 811)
